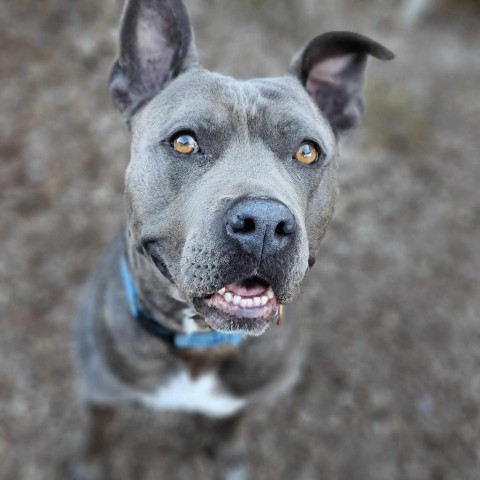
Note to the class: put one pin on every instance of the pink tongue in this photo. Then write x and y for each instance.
(252, 290)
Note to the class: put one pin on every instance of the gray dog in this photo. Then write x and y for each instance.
(230, 188)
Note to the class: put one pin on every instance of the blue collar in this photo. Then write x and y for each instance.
(175, 339)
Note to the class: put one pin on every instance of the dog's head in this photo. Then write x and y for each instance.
(232, 184)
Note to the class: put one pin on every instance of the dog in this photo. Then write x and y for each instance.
(230, 189)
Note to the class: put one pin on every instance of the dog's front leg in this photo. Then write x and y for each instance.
(230, 449)
(93, 462)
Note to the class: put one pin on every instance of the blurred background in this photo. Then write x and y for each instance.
(391, 386)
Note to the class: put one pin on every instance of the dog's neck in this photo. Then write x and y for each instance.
(159, 296)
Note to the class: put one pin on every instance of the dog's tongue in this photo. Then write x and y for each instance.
(247, 289)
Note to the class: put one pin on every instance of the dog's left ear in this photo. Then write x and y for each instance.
(331, 68)
(156, 45)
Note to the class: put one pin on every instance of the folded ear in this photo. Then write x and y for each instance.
(331, 68)
(156, 44)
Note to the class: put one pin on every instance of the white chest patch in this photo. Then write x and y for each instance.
(202, 395)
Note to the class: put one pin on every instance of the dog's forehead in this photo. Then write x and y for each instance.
(265, 103)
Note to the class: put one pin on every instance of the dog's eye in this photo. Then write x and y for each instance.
(307, 153)
(184, 143)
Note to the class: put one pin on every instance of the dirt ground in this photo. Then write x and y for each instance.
(391, 388)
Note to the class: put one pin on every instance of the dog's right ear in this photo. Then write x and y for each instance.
(156, 45)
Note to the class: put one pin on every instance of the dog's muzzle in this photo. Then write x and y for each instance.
(238, 281)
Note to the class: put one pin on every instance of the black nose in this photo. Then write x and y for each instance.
(262, 226)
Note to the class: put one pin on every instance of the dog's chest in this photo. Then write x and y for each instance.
(203, 394)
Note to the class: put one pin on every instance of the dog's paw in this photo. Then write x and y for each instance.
(239, 472)
(83, 471)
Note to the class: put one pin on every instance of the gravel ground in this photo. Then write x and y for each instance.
(391, 389)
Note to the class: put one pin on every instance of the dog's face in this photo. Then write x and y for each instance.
(218, 198)
(231, 184)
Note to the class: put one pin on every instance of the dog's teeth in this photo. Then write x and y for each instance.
(247, 302)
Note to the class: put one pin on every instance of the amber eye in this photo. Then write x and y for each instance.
(307, 153)
(184, 143)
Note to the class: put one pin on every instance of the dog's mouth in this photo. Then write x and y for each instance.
(249, 306)
(251, 298)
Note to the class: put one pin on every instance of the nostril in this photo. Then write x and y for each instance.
(284, 228)
(249, 225)
(243, 225)
(280, 228)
